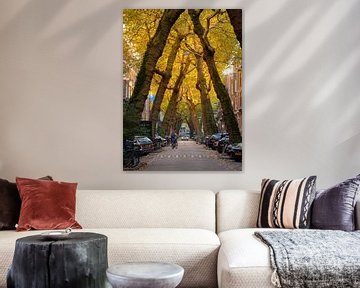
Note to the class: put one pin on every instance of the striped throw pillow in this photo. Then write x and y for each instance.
(286, 204)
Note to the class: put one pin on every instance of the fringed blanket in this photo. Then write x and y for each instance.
(313, 258)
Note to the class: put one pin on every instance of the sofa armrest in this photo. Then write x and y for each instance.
(357, 215)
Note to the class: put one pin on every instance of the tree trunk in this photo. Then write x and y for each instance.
(178, 121)
(190, 123)
(235, 16)
(221, 92)
(193, 120)
(170, 114)
(206, 109)
(166, 76)
(155, 47)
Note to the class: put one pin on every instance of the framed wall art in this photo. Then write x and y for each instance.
(182, 89)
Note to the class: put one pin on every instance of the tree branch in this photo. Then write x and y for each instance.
(189, 71)
(209, 86)
(159, 72)
(192, 50)
(208, 19)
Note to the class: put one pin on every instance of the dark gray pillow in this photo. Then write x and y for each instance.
(334, 208)
(9, 205)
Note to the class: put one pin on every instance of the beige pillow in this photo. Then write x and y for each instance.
(286, 204)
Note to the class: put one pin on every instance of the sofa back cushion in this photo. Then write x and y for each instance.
(146, 209)
(236, 209)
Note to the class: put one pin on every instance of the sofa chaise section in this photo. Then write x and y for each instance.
(244, 260)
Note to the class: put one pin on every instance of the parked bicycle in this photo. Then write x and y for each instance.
(131, 155)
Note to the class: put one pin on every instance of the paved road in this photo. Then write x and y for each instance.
(189, 156)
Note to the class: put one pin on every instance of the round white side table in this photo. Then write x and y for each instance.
(145, 275)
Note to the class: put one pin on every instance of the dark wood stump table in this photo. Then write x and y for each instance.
(79, 261)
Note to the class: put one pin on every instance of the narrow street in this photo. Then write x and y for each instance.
(189, 156)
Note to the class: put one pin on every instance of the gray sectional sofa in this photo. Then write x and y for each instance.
(210, 235)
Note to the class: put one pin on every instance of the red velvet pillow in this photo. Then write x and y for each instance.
(46, 204)
(10, 204)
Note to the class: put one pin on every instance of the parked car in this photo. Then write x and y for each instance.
(144, 144)
(163, 141)
(156, 143)
(205, 140)
(184, 138)
(235, 151)
(159, 142)
(222, 143)
(212, 143)
(228, 149)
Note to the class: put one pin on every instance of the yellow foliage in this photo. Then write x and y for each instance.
(140, 25)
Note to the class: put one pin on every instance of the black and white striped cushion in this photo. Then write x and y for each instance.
(286, 204)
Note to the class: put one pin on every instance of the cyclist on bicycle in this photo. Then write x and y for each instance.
(173, 140)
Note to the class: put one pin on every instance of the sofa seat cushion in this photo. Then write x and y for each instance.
(194, 249)
(244, 261)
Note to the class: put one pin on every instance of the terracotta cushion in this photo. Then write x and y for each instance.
(10, 204)
(46, 204)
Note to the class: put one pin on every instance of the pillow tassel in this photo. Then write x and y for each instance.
(275, 279)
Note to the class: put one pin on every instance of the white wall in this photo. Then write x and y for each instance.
(60, 91)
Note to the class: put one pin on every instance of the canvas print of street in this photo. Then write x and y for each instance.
(182, 90)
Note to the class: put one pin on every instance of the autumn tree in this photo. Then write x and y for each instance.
(235, 16)
(136, 35)
(202, 95)
(207, 111)
(166, 76)
(169, 118)
(192, 119)
(222, 94)
(155, 47)
(209, 123)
